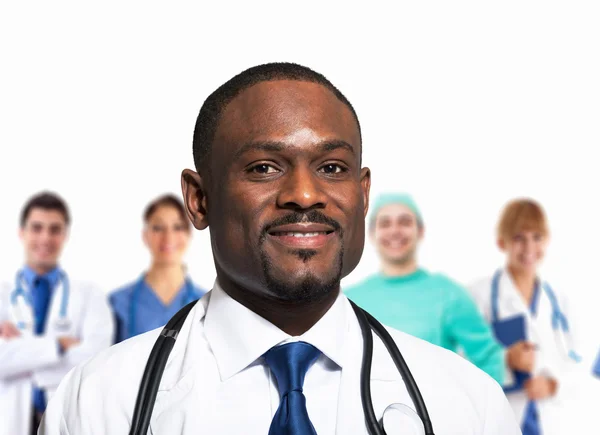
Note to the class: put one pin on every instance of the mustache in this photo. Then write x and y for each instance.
(313, 216)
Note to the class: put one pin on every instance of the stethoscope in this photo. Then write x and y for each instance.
(21, 301)
(135, 296)
(157, 361)
(560, 325)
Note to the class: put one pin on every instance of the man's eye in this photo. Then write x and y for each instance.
(263, 169)
(332, 169)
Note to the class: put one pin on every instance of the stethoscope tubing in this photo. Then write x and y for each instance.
(163, 346)
(559, 320)
(20, 292)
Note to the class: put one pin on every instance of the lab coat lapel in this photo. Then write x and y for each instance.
(387, 386)
(22, 314)
(350, 415)
(177, 400)
(552, 346)
(511, 303)
(55, 326)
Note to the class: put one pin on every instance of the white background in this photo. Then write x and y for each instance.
(464, 105)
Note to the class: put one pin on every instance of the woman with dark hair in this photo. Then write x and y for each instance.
(159, 293)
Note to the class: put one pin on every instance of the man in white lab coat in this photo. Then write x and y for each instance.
(275, 347)
(48, 323)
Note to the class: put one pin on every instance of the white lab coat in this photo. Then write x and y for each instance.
(98, 397)
(31, 360)
(566, 409)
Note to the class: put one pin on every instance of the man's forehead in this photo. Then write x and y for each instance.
(40, 216)
(395, 210)
(283, 89)
(283, 106)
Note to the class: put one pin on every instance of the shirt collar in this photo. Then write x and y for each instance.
(53, 276)
(516, 294)
(238, 336)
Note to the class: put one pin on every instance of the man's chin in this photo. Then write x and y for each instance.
(305, 278)
(44, 263)
(398, 259)
(307, 288)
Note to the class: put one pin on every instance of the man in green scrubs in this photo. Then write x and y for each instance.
(427, 305)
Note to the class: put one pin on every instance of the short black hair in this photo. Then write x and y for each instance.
(46, 201)
(210, 113)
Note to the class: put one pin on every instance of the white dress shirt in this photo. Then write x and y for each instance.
(216, 380)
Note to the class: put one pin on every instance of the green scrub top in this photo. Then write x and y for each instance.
(436, 309)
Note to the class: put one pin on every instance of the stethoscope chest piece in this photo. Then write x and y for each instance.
(62, 324)
(401, 419)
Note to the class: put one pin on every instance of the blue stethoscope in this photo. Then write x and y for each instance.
(23, 292)
(135, 296)
(559, 320)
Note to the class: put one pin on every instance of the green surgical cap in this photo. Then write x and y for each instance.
(395, 198)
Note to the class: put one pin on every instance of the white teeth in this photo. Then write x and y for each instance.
(395, 244)
(293, 234)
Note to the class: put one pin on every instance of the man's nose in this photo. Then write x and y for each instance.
(302, 191)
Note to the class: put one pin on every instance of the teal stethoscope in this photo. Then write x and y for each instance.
(560, 325)
(21, 300)
(190, 295)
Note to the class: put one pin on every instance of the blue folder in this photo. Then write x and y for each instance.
(511, 330)
(597, 366)
(508, 332)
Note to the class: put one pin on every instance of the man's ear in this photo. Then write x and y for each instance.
(194, 198)
(365, 184)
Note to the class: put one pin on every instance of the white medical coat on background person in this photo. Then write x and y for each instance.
(558, 413)
(31, 360)
(216, 381)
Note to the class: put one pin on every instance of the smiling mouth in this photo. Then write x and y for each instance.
(395, 243)
(302, 236)
(299, 234)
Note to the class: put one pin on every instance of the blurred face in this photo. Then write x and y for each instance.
(287, 196)
(166, 236)
(396, 234)
(525, 251)
(43, 235)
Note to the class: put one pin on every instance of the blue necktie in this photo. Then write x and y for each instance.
(289, 363)
(531, 420)
(41, 300)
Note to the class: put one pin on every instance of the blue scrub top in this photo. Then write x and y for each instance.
(150, 312)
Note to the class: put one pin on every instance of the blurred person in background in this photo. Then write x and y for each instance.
(48, 322)
(533, 321)
(150, 301)
(409, 298)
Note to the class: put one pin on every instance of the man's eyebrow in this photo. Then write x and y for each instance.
(274, 146)
(331, 145)
(259, 146)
